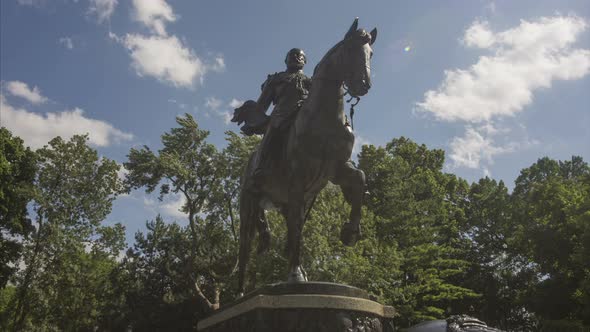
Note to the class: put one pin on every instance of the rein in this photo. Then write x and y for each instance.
(346, 92)
(358, 99)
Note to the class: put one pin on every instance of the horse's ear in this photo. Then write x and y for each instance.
(353, 28)
(373, 35)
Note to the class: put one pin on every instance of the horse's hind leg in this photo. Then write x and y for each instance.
(295, 219)
(249, 220)
(352, 182)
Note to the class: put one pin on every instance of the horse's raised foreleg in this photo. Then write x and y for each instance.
(295, 220)
(352, 182)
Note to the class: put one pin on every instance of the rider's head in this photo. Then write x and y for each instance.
(295, 59)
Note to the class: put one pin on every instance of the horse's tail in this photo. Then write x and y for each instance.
(249, 214)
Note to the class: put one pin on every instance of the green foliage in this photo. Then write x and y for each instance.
(419, 210)
(529, 249)
(69, 256)
(562, 326)
(7, 297)
(432, 245)
(17, 172)
(189, 166)
(152, 276)
(493, 272)
(208, 180)
(552, 213)
(223, 209)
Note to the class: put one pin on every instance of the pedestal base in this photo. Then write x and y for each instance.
(308, 306)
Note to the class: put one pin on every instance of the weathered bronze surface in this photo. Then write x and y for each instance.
(309, 306)
(302, 320)
(308, 142)
(311, 287)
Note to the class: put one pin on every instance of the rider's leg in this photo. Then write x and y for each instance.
(254, 181)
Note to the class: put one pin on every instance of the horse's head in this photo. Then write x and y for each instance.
(356, 59)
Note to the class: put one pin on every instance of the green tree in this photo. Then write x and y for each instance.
(420, 209)
(208, 181)
(223, 202)
(551, 208)
(493, 270)
(17, 173)
(153, 278)
(69, 253)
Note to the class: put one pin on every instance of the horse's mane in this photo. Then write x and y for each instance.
(327, 55)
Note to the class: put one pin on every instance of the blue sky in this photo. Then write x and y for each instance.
(496, 84)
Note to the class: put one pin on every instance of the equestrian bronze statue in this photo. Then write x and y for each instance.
(308, 142)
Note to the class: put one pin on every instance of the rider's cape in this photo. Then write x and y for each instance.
(255, 120)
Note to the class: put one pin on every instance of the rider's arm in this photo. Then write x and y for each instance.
(267, 94)
(307, 84)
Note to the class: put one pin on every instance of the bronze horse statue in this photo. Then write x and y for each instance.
(317, 149)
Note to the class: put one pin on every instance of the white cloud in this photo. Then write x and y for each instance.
(218, 64)
(122, 172)
(501, 84)
(159, 55)
(154, 14)
(177, 103)
(103, 9)
(36, 130)
(478, 147)
(165, 58)
(226, 116)
(235, 103)
(67, 42)
(170, 207)
(479, 35)
(469, 150)
(116, 38)
(216, 105)
(173, 206)
(22, 90)
(525, 58)
(213, 103)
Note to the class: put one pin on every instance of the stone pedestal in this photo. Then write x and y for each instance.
(300, 307)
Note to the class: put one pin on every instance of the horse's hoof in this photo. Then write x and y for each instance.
(240, 295)
(296, 276)
(350, 234)
(263, 242)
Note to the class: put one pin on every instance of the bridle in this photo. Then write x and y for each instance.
(346, 90)
(352, 105)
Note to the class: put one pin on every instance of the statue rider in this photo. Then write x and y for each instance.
(286, 90)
